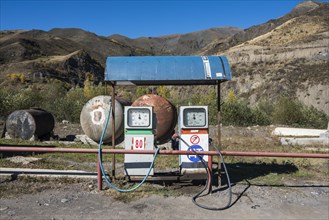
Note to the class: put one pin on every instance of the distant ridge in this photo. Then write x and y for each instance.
(284, 56)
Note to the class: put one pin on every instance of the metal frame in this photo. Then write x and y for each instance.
(220, 73)
(113, 83)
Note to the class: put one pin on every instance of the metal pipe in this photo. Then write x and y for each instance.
(99, 174)
(274, 154)
(164, 152)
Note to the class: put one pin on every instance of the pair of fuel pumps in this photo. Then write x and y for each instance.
(140, 123)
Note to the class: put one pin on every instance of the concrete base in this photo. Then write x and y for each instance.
(297, 132)
(302, 136)
(305, 141)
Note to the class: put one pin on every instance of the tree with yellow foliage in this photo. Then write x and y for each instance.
(163, 91)
(231, 97)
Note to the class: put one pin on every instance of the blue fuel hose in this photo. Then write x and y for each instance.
(101, 162)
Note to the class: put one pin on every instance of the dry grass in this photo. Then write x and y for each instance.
(293, 31)
(257, 170)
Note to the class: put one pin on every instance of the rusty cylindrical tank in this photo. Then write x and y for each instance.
(93, 118)
(166, 115)
(25, 124)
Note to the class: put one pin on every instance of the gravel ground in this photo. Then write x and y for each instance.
(83, 201)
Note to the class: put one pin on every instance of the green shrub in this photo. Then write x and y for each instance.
(66, 103)
(237, 113)
(163, 91)
(6, 102)
(11, 100)
(267, 107)
(140, 91)
(260, 117)
(314, 118)
(289, 111)
(209, 99)
(73, 104)
(56, 97)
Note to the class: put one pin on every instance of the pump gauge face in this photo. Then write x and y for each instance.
(194, 117)
(139, 117)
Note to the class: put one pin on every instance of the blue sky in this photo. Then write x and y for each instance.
(139, 18)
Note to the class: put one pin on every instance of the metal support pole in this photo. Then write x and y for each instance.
(99, 176)
(219, 119)
(113, 128)
(210, 174)
(219, 144)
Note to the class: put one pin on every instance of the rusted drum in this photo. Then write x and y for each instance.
(93, 118)
(28, 123)
(166, 115)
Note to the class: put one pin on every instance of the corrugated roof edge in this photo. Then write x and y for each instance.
(168, 70)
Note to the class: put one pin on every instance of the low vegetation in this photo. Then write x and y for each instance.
(65, 103)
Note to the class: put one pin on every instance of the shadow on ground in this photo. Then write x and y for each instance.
(247, 171)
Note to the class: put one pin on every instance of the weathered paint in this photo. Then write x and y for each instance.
(165, 113)
(29, 123)
(93, 118)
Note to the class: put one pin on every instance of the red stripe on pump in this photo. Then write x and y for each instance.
(195, 131)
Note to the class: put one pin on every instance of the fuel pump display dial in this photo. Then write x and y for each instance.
(194, 117)
(139, 117)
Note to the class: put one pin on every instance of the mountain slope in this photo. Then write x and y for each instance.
(97, 46)
(291, 59)
(179, 44)
(255, 31)
(17, 46)
(284, 56)
(31, 53)
(36, 55)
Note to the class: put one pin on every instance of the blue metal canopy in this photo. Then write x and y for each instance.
(167, 70)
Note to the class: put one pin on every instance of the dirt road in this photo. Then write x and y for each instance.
(83, 201)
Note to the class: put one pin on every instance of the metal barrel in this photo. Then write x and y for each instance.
(166, 115)
(26, 123)
(93, 118)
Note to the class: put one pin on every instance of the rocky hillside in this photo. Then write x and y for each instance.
(179, 44)
(255, 31)
(66, 54)
(97, 46)
(287, 56)
(284, 56)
